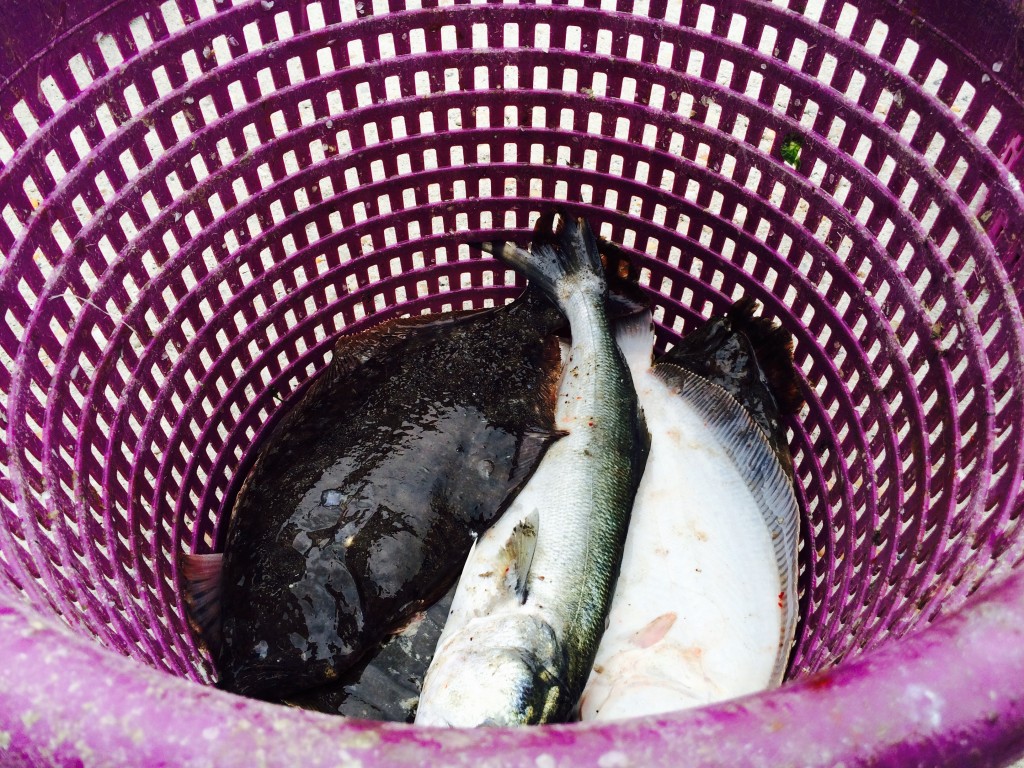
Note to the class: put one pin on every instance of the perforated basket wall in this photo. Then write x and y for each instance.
(196, 196)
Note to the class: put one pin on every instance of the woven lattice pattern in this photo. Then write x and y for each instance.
(195, 197)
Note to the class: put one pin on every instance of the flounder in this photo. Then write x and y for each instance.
(366, 496)
(705, 605)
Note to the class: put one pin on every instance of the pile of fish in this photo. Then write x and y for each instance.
(466, 520)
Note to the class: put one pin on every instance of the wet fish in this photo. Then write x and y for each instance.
(705, 605)
(366, 497)
(531, 604)
(386, 686)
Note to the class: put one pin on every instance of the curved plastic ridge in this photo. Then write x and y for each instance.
(62, 684)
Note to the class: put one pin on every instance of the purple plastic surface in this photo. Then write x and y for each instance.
(196, 196)
(904, 706)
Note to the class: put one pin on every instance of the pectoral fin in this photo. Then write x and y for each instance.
(517, 556)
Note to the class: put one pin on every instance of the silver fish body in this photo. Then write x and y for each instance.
(532, 602)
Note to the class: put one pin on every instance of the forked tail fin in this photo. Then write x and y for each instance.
(560, 251)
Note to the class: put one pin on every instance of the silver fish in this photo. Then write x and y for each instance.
(705, 605)
(531, 606)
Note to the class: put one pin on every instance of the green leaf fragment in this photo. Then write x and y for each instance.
(791, 146)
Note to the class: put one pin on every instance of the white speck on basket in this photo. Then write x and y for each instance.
(613, 759)
(930, 704)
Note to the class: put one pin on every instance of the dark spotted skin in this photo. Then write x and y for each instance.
(386, 685)
(363, 502)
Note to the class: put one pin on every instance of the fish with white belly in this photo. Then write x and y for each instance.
(532, 601)
(705, 605)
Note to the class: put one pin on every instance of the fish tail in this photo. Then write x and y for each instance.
(202, 580)
(626, 297)
(773, 349)
(635, 338)
(560, 251)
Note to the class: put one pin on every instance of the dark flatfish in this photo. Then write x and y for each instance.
(365, 498)
(385, 686)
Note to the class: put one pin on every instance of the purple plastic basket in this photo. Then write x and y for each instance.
(196, 196)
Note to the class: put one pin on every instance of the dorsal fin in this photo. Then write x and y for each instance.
(767, 479)
(531, 450)
(354, 350)
(739, 352)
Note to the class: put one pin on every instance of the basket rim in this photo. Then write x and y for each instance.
(875, 701)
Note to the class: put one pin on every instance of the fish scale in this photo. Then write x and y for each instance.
(366, 497)
(581, 544)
